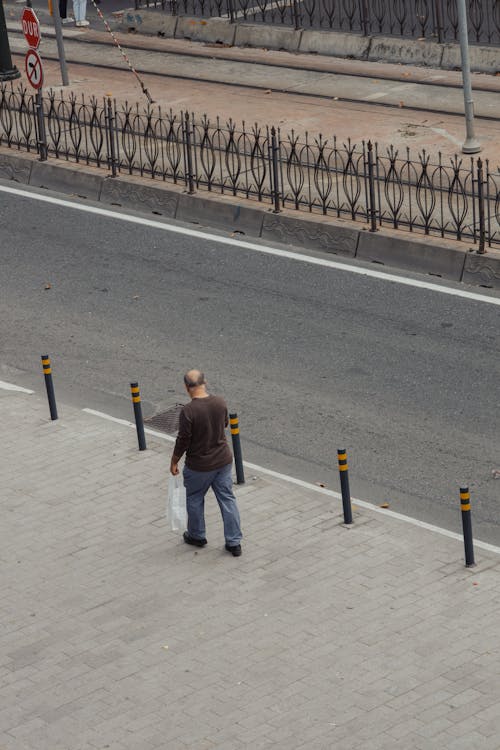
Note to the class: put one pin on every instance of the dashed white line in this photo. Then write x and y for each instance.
(12, 387)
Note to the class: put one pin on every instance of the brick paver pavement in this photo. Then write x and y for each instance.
(114, 634)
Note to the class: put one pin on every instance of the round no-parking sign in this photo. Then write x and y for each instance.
(34, 70)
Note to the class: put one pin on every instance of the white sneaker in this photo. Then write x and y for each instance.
(82, 23)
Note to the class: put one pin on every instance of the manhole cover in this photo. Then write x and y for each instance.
(166, 421)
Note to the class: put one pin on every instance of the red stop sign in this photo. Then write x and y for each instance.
(31, 28)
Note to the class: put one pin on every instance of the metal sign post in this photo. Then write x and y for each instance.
(471, 144)
(34, 73)
(60, 42)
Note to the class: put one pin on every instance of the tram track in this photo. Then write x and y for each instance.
(227, 67)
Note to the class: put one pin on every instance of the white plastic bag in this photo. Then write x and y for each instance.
(176, 503)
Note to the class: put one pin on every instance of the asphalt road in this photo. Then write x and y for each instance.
(313, 359)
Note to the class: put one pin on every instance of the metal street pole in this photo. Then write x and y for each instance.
(60, 42)
(471, 145)
(8, 71)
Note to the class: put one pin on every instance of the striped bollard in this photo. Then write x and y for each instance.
(238, 458)
(49, 385)
(467, 526)
(344, 485)
(139, 424)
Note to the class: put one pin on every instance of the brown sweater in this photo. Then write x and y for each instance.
(201, 434)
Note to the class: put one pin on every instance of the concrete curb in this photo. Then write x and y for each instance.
(314, 234)
(220, 212)
(482, 270)
(149, 24)
(211, 30)
(67, 178)
(446, 259)
(482, 59)
(15, 167)
(406, 51)
(330, 43)
(335, 44)
(134, 194)
(413, 255)
(268, 37)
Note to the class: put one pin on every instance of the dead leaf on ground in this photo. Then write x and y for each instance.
(48, 285)
(384, 505)
(401, 104)
(320, 484)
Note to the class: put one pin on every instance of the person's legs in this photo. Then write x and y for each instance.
(79, 11)
(83, 12)
(196, 484)
(77, 6)
(222, 485)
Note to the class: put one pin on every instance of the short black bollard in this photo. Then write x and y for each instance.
(136, 400)
(47, 373)
(238, 458)
(344, 485)
(467, 526)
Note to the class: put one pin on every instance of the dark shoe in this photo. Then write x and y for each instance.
(235, 550)
(191, 540)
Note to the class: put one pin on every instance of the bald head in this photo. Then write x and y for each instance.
(194, 379)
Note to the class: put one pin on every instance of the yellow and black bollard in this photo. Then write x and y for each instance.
(139, 424)
(467, 526)
(49, 385)
(344, 485)
(238, 458)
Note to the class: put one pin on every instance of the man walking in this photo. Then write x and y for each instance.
(208, 462)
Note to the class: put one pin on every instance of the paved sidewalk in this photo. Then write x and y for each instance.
(114, 634)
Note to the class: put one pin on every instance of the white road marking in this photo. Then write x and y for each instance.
(265, 249)
(322, 490)
(12, 387)
(125, 422)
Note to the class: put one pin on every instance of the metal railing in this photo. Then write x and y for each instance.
(415, 19)
(449, 197)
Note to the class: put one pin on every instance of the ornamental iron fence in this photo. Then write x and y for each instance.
(448, 197)
(416, 19)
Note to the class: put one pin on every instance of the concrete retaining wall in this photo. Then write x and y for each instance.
(335, 44)
(210, 30)
(332, 43)
(427, 255)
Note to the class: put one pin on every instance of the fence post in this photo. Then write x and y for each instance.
(467, 526)
(238, 458)
(139, 423)
(110, 127)
(480, 197)
(49, 385)
(364, 17)
(438, 18)
(275, 171)
(40, 121)
(372, 211)
(344, 485)
(189, 155)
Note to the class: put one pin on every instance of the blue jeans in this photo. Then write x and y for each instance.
(197, 484)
